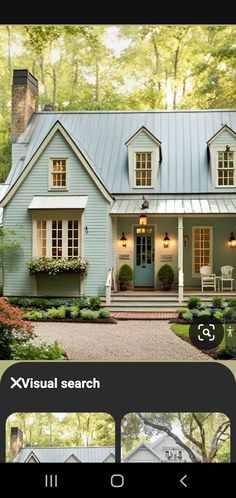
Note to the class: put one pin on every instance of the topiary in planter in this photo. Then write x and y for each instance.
(125, 276)
(166, 277)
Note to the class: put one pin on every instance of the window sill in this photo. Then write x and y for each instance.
(225, 186)
(55, 189)
(143, 187)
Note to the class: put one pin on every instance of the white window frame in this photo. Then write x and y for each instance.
(50, 174)
(225, 169)
(214, 149)
(56, 215)
(155, 159)
(198, 275)
(146, 169)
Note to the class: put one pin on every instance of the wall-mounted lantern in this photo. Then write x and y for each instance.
(166, 241)
(232, 240)
(123, 240)
(143, 219)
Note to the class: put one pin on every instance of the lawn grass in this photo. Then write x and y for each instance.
(183, 331)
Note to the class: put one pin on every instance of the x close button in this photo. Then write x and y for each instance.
(117, 481)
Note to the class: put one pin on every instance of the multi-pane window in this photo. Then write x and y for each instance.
(73, 238)
(202, 248)
(226, 168)
(57, 238)
(41, 238)
(58, 173)
(173, 455)
(143, 169)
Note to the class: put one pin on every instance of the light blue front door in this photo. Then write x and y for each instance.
(144, 257)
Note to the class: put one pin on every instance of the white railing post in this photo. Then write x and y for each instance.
(180, 259)
(108, 287)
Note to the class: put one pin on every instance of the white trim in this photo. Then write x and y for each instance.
(133, 252)
(217, 134)
(214, 149)
(198, 275)
(148, 133)
(48, 218)
(32, 455)
(41, 148)
(50, 173)
(180, 259)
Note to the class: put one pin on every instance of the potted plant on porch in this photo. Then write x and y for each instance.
(166, 277)
(125, 276)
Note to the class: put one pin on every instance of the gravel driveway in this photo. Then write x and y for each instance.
(131, 340)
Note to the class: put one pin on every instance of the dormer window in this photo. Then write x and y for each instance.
(143, 169)
(226, 168)
(58, 174)
(222, 148)
(144, 154)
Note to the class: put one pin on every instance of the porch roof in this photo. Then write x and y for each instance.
(185, 204)
(58, 202)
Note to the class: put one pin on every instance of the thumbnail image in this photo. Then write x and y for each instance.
(60, 438)
(175, 437)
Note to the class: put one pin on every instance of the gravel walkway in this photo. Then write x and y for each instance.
(132, 340)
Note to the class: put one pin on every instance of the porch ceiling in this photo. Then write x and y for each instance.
(222, 204)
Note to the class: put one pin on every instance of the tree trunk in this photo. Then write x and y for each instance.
(42, 77)
(176, 62)
(97, 82)
(9, 51)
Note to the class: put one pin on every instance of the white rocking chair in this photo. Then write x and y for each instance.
(208, 279)
(226, 276)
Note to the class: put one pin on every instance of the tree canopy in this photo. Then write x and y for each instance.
(118, 67)
(68, 429)
(204, 436)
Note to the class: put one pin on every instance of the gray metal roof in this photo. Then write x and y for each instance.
(90, 454)
(102, 137)
(58, 202)
(198, 204)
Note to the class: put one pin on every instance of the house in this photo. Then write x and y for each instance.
(38, 454)
(164, 449)
(143, 188)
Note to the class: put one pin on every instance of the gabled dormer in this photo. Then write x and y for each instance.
(222, 147)
(144, 155)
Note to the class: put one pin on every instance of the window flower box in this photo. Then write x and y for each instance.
(53, 266)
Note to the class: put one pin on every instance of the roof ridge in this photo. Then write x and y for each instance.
(135, 111)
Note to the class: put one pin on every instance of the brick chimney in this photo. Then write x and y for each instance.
(16, 442)
(24, 100)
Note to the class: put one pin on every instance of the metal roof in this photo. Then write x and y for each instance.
(59, 202)
(102, 137)
(199, 204)
(59, 455)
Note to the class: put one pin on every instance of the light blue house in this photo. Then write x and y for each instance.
(80, 182)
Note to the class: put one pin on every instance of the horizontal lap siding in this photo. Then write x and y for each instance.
(225, 138)
(17, 217)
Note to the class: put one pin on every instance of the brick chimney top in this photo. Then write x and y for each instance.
(24, 100)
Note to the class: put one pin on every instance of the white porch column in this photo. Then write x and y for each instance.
(180, 258)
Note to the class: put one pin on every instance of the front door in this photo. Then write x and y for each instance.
(144, 257)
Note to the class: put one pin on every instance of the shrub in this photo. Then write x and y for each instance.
(187, 316)
(95, 303)
(194, 302)
(33, 315)
(166, 276)
(74, 311)
(42, 352)
(232, 302)
(56, 313)
(125, 274)
(13, 329)
(180, 311)
(195, 312)
(88, 314)
(217, 302)
(227, 312)
(204, 313)
(219, 315)
(83, 303)
(104, 313)
(53, 266)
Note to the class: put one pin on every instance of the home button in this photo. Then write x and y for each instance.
(117, 481)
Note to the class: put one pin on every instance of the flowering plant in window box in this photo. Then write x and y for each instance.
(53, 266)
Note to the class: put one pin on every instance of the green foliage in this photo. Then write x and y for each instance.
(33, 315)
(187, 316)
(86, 314)
(39, 303)
(34, 352)
(84, 302)
(53, 266)
(56, 313)
(232, 302)
(95, 303)
(217, 302)
(104, 313)
(195, 312)
(204, 313)
(166, 272)
(180, 311)
(219, 315)
(73, 311)
(194, 302)
(125, 274)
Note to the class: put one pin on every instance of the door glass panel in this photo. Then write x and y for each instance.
(149, 249)
(138, 250)
(143, 250)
